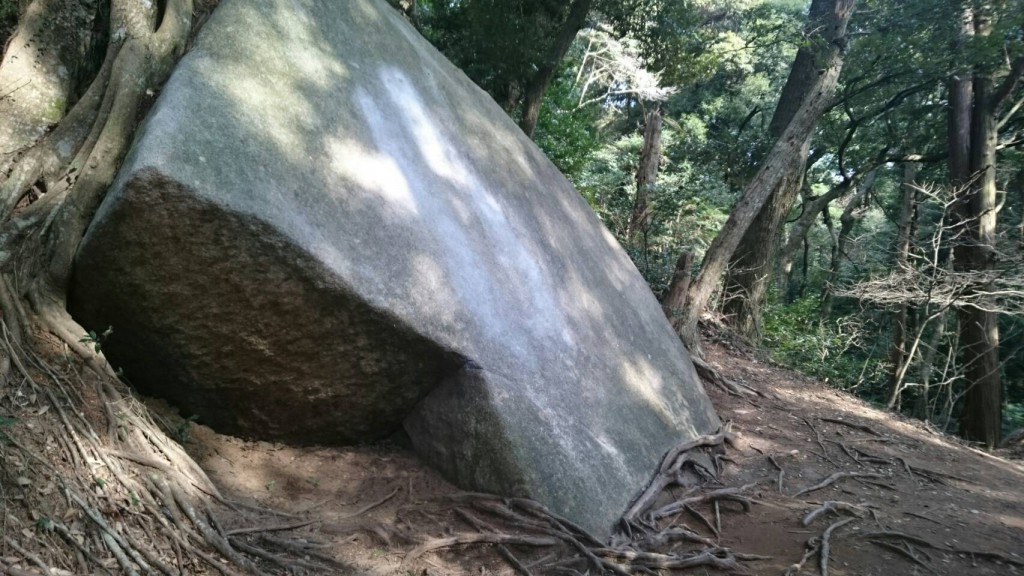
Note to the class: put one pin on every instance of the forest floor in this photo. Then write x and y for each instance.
(959, 510)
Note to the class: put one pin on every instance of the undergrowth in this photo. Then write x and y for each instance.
(839, 351)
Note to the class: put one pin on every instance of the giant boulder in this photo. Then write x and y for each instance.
(324, 231)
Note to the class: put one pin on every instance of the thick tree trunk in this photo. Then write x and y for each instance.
(646, 174)
(675, 300)
(538, 85)
(39, 70)
(972, 140)
(76, 160)
(750, 270)
(781, 161)
(898, 356)
(751, 265)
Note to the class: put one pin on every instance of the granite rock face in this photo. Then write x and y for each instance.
(324, 232)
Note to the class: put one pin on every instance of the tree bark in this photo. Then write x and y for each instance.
(786, 156)
(675, 300)
(76, 160)
(538, 85)
(751, 265)
(39, 69)
(646, 174)
(972, 139)
(898, 356)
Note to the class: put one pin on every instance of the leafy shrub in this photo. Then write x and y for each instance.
(831, 349)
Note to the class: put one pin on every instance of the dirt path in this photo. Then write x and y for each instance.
(364, 503)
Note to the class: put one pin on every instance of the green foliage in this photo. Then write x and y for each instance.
(1013, 417)
(184, 430)
(97, 340)
(9, 12)
(5, 422)
(498, 44)
(568, 134)
(832, 349)
(716, 69)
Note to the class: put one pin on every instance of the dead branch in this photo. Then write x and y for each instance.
(820, 441)
(905, 552)
(813, 547)
(771, 458)
(278, 528)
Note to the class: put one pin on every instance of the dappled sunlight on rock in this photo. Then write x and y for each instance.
(325, 232)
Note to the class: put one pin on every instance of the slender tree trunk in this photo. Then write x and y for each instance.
(538, 85)
(76, 158)
(646, 174)
(904, 238)
(811, 209)
(849, 217)
(751, 265)
(972, 139)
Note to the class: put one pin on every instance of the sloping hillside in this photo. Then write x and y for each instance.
(919, 501)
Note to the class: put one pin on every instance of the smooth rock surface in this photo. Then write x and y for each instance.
(325, 231)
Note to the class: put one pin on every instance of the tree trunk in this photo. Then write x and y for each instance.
(675, 300)
(72, 163)
(538, 85)
(904, 238)
(812, 208)
(784, 158)
(846, 222)
(972, 140)
(751, 265)
(39, 69)
(646, 174)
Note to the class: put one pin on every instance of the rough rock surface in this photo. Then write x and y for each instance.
(325, 231)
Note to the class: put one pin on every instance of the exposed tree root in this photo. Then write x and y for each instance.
(681, 466)
(834, 506)
(99, 488)
(826, 542)
(130, 496)
(709, 374)
(910, 541)
(861, 427)
(833, 479)
(645, 542)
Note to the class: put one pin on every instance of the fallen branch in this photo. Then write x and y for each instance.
(905, 552)
(279, 528)
(782, 472)
(813, 547)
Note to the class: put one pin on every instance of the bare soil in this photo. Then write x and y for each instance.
(368, 506)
